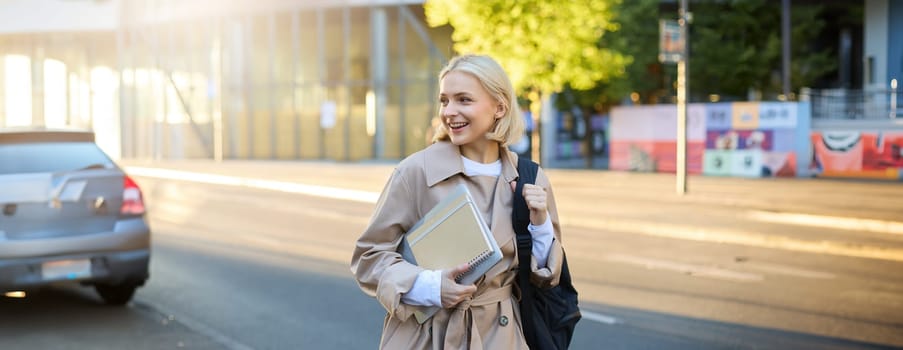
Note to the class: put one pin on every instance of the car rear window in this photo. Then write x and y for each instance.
(51, 157)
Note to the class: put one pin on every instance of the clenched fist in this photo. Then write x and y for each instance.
(535, 197)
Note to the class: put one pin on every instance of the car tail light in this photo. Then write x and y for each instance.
(132, 203)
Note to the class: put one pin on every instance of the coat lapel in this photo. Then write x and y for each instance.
(442, 160)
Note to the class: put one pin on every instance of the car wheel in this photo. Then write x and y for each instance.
(119, 294)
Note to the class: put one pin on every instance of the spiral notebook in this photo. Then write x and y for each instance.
(451, 233)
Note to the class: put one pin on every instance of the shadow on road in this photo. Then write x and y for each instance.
(627, 328)
(71, 317)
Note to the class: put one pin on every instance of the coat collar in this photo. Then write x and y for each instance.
(443, 160)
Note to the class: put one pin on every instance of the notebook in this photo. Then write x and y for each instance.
(451, 233)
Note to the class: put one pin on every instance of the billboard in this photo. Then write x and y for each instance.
(748, 139)
(860, 154)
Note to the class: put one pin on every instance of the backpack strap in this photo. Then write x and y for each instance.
(535, 313)
(526, 171)
(520, 217)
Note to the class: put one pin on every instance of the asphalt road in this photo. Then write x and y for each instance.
(737, 264)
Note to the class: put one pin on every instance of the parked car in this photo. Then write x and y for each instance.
(69, 214)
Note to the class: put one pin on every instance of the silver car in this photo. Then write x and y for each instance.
(69, 214)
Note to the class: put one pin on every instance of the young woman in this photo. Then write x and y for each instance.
(479, 119)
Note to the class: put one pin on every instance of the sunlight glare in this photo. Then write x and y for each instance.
(15, 294)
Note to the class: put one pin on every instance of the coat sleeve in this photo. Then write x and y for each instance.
(549, 275)
(380, 271)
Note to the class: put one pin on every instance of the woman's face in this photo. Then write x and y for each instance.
(468, 111)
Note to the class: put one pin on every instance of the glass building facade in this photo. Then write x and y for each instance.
(268, 79)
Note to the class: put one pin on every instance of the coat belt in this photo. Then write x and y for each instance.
(461, 318)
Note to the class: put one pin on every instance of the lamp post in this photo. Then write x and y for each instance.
(682, 100)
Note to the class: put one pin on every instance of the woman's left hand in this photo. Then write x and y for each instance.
(536, 201)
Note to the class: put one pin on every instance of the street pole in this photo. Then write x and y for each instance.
(785, 48)
(682, 102)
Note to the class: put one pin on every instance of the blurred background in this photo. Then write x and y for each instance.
(262, 131)
(356, 80)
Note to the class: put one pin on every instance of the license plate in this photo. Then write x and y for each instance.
(66, 269)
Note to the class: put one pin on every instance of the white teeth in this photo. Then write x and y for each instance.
(456, 125)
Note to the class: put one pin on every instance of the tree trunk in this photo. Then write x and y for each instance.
(535, 98)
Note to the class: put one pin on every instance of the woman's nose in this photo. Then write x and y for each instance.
(449, 110)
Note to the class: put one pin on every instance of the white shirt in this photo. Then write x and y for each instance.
(427, 287)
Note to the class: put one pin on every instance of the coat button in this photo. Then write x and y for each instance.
(503, 321)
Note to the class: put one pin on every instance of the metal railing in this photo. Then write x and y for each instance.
(875, 103)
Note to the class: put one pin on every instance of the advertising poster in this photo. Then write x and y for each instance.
(717, 162)
(756, 140)
(777, 115)
(746, 163)
(745, 115)
(858, 154)
(644, 138)
(718, 116)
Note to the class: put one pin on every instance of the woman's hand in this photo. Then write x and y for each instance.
(536, 201)
(451, 292)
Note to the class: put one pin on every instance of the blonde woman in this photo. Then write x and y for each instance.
(479, 119)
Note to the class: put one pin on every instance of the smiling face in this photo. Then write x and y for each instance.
(468, 112)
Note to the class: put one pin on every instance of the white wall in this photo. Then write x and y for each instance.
(31, 16)
(875, 33)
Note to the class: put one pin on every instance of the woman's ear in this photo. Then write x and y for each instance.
(500, 111)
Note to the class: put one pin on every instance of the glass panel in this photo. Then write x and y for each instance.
(55, 104)
(235, 109)
(336, 90)
(307, 101)
(335, 135)
(333, 45)
(308, 51)
(358, 83)
(50, 157)
(282, 88)
(420, 110)
(18, 90)
(260, 69)
(308, 109)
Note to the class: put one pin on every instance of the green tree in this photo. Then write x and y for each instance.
(635, 36)
(735, 46)
(544, 45)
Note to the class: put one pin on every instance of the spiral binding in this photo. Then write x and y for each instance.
(473, 263)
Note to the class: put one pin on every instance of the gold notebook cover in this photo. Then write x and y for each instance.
(451, 233)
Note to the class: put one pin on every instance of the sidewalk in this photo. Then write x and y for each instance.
(863, 219)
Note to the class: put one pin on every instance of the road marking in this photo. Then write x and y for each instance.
(600, 318)
(852, 224)
(155, 311)
(736, 236)
(786, 270)
(683, 268)
(281, 186)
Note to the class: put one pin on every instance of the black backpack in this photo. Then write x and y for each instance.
(548, 316)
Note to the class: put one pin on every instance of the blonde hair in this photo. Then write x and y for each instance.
(510, 127)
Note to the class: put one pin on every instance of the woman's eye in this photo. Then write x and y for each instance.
(443, 101)
(466, 100)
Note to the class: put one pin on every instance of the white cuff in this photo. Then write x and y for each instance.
(542, 240)
(425, 291)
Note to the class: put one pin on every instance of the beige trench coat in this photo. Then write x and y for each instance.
(491, 320)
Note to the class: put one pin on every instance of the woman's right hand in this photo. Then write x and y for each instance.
(451, 292)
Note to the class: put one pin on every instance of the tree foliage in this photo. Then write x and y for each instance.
(600, 52)
(735, 46)
(636, 38)
(544, 45)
